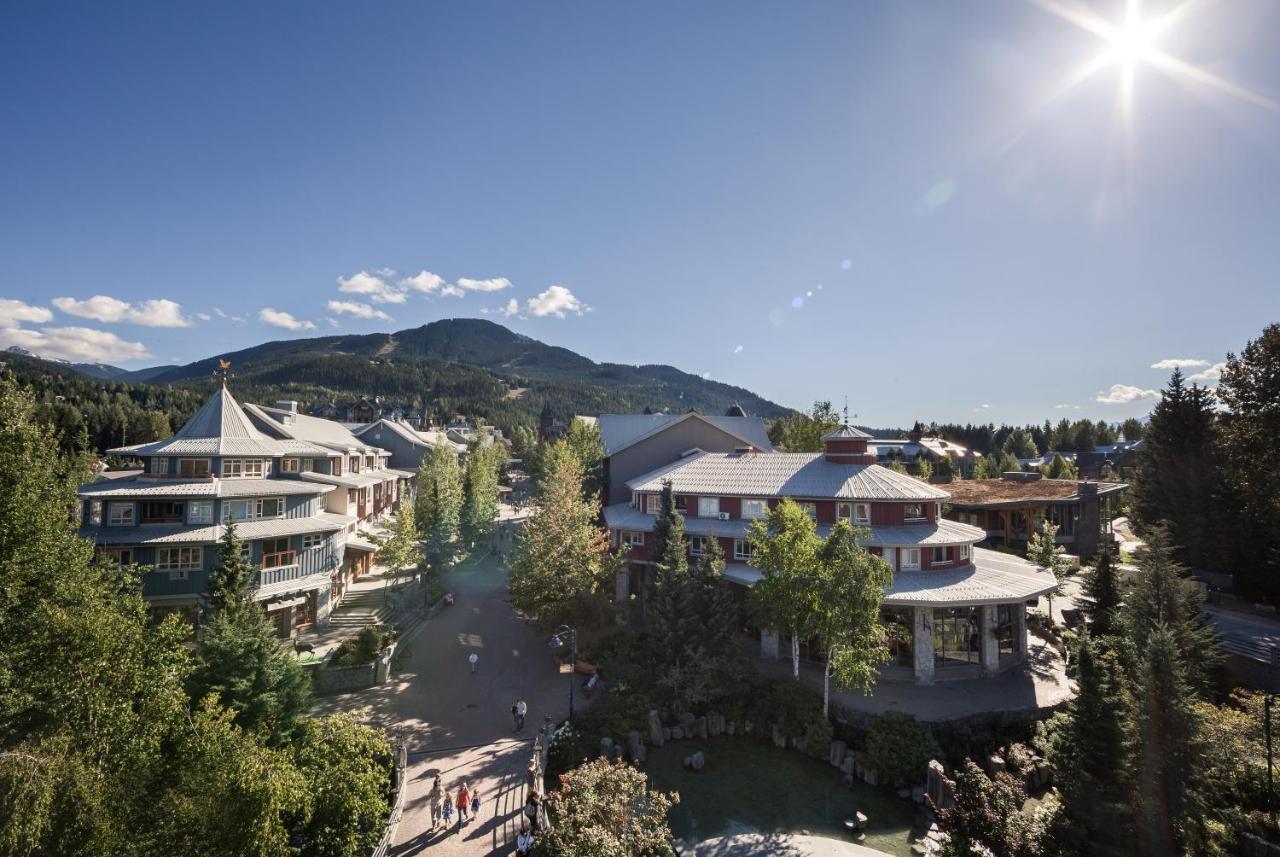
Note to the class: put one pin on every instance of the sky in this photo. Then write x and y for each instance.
(1002, 210)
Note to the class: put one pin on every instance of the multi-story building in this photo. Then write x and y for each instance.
(293, 519)
(955, 611)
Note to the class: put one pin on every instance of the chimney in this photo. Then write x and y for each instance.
(290, 406)
(847, 445)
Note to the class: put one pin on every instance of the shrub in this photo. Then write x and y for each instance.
(362, 648)
(1018, 760)
(900, 748)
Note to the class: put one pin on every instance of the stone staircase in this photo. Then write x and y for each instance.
(360, 607)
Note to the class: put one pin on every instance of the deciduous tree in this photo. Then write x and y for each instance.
(785, 544)
(439, 505)
(606, 808)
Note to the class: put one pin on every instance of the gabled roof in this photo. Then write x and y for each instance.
(220, 427)
(784, 474)
(329, 435)
(620, 431)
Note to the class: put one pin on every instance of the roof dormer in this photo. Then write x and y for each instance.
(847, 445)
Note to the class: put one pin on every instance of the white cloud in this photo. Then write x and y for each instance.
(204, 316)
(452, 291)
(706, 376)
(1213, 374)
(154, 313)
(423, 281)
(78, 344)
(219, 313)
(1121, 394)
(556, 300)
(512, 308)
(494, 284)
(17, 311)
(737, 350)
(1178, 363)
(378, 289)
(283, 319)
(385, 272)
(1067, 407)
(333, 322)
(359, 310)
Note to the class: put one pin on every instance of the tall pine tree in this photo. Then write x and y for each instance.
(1101, 591)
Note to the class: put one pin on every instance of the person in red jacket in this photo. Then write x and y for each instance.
(463, 803)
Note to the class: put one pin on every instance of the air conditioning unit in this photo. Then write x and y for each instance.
(724, 516)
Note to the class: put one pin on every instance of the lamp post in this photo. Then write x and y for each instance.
(557, 643)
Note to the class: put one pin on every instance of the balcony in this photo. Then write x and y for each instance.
(279, 559)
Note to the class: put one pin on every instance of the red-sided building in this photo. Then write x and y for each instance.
(956, 611)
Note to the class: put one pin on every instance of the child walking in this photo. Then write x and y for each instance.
(447, 812)
(475, 803)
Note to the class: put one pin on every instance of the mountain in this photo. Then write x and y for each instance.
(521, 361)
(103, 371)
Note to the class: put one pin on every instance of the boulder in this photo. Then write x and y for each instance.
(846, 780)
(635, 746)
(677, 733)
(656, 738)
(779, 737)
(700, 727)
(995, 765)
(1044, 773)
(606, 747)
(715, 725)
(698, 761)
(836, 756)
(870, 776)
(849, 763)
(687, 723)
(858, 821)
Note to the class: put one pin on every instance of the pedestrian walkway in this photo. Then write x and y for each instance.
(364, 603)
(458, 724)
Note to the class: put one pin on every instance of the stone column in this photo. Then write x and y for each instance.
(989, 647)
(1020, 629)
(769, 644)
(922, 644)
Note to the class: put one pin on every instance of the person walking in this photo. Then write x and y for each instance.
(522, 710)
(463, 803)
(473, 659)
(446, 812)
(434, 802)
(515, 716)
(475, 804)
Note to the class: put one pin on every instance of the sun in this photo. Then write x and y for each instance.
(1133, 41)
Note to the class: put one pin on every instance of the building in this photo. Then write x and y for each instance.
(918, 447)
(368, 488)
(1009, 508)
(1117, 460)
(637, 443)
(407, 445)
(221, 466)
(955, 611)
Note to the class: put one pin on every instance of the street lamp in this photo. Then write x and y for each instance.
(557, 643)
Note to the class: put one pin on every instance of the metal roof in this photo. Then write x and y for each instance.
(310, 430)
(202, 488)
(619, 431)
(992, 578)
(622, 516)
(181, 534)
(351, 480)
(784, 474)
(220, 427)
(846, 432)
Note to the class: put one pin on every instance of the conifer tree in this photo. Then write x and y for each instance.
(1101, 591)
(1166, 751)
(1090, 755)
(665, 522)
(1043, 550)
(1162, 597)
(231, 583)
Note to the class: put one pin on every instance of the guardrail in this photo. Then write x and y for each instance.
(401, 776)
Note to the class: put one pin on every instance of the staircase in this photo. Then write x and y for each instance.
(360, 607)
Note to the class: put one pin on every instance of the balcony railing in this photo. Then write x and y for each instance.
(279, 574)
(280, 558)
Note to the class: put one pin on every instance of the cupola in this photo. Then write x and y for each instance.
(847, 445)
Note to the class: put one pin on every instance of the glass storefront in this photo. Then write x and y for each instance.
(956, 639)
(1007, 628)
(899, 635)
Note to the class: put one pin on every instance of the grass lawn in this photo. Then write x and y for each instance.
(752, 785)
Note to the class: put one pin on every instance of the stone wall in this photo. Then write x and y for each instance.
(330, 679)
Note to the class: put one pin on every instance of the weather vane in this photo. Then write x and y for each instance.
(223, 372)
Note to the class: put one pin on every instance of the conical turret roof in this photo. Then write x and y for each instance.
(846, 432)
(220, 427)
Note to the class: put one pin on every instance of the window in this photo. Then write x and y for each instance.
(913, 512)
(95, 513)
(368, 462)
(910, 559)
(708, 507)
(682, 503)
(633, 539)
(355, 464)
(899, 626)
(312, 540)
(940, 556)
(844, 511)
(964, 552)
(163, 511)
(754, 510)
(862, 513)
(246, 468)
(178, 561)
(1007, 641)
(697, 544)
(120, 514)
(193, 467)
(955, 636)
(119, 556)
(308, 465)
(289, 465)
(159, 465)
(252, 510)
(275, 553)
(200, 512)
(810, 509)
(742, 550)
(337, 467)
(652, 503)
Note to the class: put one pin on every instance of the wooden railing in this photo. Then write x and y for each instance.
(400, 778)
(280, 558)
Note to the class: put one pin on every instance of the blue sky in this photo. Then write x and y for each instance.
(878, 200)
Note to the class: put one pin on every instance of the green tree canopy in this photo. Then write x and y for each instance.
(785, 545)
(439, 506)
(607, 809)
